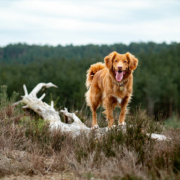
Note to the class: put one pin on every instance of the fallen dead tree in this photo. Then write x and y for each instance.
(47, 112)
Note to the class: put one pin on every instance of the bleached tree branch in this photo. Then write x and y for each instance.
(47, 112)
(25, 90)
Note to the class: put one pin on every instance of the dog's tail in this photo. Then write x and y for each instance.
(92, 71)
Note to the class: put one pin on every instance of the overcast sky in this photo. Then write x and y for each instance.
(88, 21)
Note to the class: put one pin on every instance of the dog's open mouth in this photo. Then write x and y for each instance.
(119, 75)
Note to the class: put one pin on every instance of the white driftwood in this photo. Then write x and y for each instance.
(158, 137)
(49, 113)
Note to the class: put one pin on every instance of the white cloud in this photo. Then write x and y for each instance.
(82, 22)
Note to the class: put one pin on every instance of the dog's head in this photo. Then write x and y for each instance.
(120, 64)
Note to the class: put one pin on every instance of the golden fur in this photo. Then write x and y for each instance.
(92, 71)
(105, 81)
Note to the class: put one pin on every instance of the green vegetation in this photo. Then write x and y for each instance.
(156, 80)
(173, 122)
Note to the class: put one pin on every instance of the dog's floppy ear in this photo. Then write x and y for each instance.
(133, 62)
(109, 59)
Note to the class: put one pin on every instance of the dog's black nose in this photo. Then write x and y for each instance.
(119, 68)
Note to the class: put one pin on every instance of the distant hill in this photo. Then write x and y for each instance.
(23, 53)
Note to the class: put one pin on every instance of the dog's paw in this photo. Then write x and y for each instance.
(112, 127)
(122, 124)
(95, 127)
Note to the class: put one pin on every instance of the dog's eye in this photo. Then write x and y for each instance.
(115, 60)
(125, 61)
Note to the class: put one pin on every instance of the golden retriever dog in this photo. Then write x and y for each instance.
(111, 84)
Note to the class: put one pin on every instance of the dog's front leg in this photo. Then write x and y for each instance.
(124, 104)
(109, 111)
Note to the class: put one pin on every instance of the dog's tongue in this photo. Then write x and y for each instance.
(119, 75)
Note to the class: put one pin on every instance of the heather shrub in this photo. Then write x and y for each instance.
(28, 146)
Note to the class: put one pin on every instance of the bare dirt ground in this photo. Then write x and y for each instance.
(49, 176)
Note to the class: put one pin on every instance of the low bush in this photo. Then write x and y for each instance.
(27, 146)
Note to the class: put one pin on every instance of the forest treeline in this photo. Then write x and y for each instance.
(156, 80)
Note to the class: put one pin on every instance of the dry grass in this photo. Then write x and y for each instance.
(28, 149)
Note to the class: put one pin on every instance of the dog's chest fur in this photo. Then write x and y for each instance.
(119, 100)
